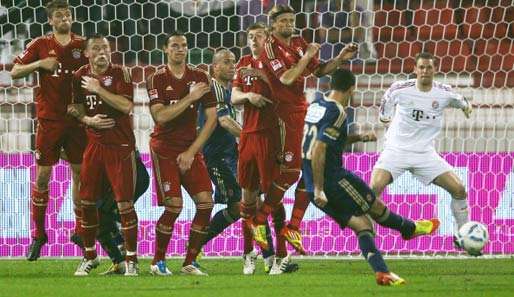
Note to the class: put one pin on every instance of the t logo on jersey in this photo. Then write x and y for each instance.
(92, 102)
(417, 114)
(248, 80)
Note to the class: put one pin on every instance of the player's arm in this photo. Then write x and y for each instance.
(118, 102)
(459, 101)
(98, 121)
(164, 113)
(185, 159)
(328, 67)
(364, 137)
(291, 75)
(29, 61)
(318, 171)
(223, 111)
(230, 125)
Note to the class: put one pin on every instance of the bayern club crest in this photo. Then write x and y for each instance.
(76, 53)
(288, 156)
(107, 81)
(435, 105)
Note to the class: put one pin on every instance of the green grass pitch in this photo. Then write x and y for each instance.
(448, 278)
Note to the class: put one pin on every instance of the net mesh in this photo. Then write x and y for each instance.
(473, 41)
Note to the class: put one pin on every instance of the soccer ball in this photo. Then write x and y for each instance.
(473, 236)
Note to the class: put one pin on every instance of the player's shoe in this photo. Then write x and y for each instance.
(160, 269)
(291, 267)
(268, 263)
(131, 268)
(280, 265)
(86, 266)
(259, 234)
(192, 270)
(294, 237)
(424, 227)
(249, 263)
(34, 251)
(115, 269)
(389, 279)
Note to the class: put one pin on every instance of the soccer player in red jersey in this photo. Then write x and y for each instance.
(288, 60)
(258, 148)
(103, 96)
(175, 91)
(55, 57)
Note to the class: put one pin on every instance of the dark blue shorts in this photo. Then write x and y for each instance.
(348, 195)
(223, 172)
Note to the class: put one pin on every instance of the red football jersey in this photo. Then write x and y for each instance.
(164, 88)
(116, 79)
(54, 92)
(254, 118)
(279, 57)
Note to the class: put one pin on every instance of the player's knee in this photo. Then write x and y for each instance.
(247, 209)
(42, 179)
(124, 206)
(459, 192)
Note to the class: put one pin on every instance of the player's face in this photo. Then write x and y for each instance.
(425, 71)
(99, 52)
(256, 40)
(284, 25)
(225, 68)
(176, 49)
(61, 20)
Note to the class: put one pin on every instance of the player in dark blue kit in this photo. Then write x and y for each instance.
(343, 196)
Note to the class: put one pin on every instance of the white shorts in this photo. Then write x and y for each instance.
(424, 166)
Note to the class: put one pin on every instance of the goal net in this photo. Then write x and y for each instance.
(472, 39)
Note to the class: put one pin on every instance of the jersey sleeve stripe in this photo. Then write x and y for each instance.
(218, 90)
(269, 50)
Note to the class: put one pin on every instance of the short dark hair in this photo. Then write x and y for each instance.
(342, 80)
(279, 9)
(54, 5)
(172, 34)
(93, 37)
(255, 26)
(424, 55)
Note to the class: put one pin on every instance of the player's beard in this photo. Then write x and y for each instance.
(63, 28)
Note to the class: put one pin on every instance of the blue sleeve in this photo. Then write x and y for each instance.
(222, 108)
(330, 126)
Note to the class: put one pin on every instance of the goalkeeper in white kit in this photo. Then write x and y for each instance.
(413, 110)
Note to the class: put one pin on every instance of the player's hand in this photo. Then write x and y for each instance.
(198, 90)
(99, 121)
(185, 160)
(312, 50)
(50, 64)
(258, 100)
(348, 52)
(368, 137)
(91, 84)
(320, 198)
(467, 110)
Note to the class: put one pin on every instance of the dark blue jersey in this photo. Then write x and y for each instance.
(221, 143)
(325, 121)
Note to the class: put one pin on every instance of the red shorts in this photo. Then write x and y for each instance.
(110, 164)
(258, 159)
(291, 135)
(168, 178)
(53, 135)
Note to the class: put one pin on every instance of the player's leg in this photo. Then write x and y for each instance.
(227, 192)
(289, 173)
(92, 178)
(380, 178)
(292, 231)
(390, 165)
(167, 183)
(48, 148)
(197, 183)
(106, 229)
(459, 205)
(363, 228)
(121, 172)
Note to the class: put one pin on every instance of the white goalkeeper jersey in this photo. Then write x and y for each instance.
(416, 117)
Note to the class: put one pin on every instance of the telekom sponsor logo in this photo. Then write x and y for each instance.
(489, 178)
